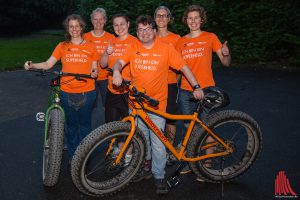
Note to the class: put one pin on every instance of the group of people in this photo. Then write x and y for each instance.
(155, 60)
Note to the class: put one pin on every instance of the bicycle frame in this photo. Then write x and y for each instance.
(140, 111)
(53, 103)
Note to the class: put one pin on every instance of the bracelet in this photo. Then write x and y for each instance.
(197, 86)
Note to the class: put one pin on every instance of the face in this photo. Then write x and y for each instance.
(98, 21)
(74, 28)
(193, 21)
(161, 18)
(120, 26)
(145, 33)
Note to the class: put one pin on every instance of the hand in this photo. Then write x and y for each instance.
(110, 49)
(225, 49)
(198, 94)
(94, 73)
(117, 78)
(28, 65)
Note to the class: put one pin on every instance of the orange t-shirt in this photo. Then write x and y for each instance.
(119, 48)
(197, 52)
(149, 68)
(101, 43)
(76, 59)
(171, 39)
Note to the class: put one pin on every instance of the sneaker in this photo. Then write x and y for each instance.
(200, 179)
(115, 152)
(186, 169)
(170, 161)
(161, 186)
(127, 160)
(145, 173)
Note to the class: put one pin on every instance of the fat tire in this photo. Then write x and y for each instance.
(53, 148)
(254, 146)
(105, 133)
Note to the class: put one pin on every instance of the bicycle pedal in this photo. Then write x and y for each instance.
(40, 117)
(173, 181)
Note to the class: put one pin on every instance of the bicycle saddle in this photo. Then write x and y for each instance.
(214, 98)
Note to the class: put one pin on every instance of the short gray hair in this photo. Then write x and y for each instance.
(166, 9)
(99, 10)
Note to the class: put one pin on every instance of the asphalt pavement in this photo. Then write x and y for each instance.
(270, 97)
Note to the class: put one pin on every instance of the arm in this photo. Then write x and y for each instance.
(43, 65)
(198, 92)
(224, 55)
(117, 77)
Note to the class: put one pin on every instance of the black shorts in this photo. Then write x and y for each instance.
(116, 106)
(172, 100)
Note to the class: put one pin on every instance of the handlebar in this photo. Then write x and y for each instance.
(60, 73)
(138, 93)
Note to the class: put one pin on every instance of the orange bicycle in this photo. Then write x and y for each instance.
(98, 170)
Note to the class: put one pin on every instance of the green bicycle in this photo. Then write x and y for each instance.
(54, 119)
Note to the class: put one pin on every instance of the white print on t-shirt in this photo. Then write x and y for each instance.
(145, 64)
(192, 53)
(75, 57)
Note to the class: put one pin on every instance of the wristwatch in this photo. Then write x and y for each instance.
(197, 86)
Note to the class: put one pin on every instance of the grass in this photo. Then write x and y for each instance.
(36, 47)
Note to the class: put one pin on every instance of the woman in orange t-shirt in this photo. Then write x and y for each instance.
(116, 106)
(163, 17)
(77, 97)
(100, 38)
(196, 49)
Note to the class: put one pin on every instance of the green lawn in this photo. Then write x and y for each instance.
(36, 47)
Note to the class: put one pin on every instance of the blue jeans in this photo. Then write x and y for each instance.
(155, 148)
(101, 88)
(78, 110)
(188, 107)
(98, 111)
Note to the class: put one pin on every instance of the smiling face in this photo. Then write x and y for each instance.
(74, 29)
(120, 26)
(162, 18)
(193, 20)
(98, 21)
(145, 33)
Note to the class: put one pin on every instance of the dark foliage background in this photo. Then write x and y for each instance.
(258, 31)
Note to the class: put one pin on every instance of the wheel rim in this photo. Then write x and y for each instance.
(242, 139)
(98, 171)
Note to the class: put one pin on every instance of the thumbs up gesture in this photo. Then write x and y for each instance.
(110, 49)
(225, 49)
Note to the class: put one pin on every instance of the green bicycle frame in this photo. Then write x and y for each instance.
(53, 103)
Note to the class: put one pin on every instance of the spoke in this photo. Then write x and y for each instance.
(99, 166)
(236, 133)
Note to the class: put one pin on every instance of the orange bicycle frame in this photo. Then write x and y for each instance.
(140, 111)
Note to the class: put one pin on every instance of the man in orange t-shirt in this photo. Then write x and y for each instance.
(149, 61)
(101, 39)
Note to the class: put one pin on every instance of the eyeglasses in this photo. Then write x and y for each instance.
(147, 30)
(162, 16)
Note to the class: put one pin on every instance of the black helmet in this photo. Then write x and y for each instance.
(214, 98)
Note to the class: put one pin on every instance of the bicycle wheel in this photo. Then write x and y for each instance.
(238, 130)
(93, 167)
(53, 148)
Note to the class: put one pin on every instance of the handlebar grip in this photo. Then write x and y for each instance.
(152, 102)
